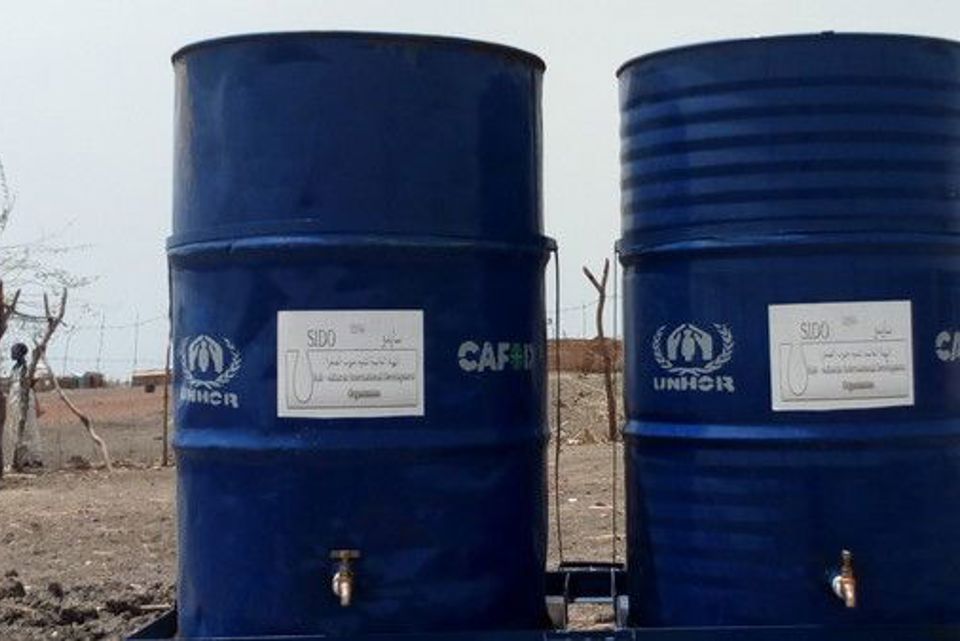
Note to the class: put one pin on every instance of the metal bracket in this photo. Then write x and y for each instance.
(586, 582)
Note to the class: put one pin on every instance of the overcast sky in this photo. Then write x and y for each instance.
(86, 95)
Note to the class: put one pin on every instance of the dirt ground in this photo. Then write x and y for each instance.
(85, 555)
(88, 555)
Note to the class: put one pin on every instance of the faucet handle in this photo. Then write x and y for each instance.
(344, 554)
(844, 581)
(344, 577)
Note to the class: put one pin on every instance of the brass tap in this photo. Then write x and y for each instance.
(844, 582)
(344, 576)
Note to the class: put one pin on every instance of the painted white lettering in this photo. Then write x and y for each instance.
(467, 356)
(488, 358)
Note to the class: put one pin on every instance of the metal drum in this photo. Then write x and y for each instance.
(791, 210)
(358, 320)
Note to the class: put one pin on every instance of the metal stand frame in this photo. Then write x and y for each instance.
(605, 583)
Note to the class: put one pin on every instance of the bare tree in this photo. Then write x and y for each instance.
(7, 198)
(22, 456)
(28, 266)
(7, 308)
(601, 287)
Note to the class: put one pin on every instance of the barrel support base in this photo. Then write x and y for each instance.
(164, 629)
(604, 583)
(586, 582)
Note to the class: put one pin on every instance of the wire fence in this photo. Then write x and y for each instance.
(579, 321)
(95, 359)
(114, 349)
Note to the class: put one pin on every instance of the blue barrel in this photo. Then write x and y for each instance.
(791, 211)
(358, 317)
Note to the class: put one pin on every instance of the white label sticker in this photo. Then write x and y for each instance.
(350, 363)
(840, 356)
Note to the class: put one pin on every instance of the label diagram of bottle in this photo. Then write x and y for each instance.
(837, 356)
(350, 363)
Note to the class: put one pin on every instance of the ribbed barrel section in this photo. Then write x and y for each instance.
(791, 210)
(358, 322)
(824, 133)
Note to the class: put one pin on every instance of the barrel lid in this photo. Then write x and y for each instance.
(760, 40)
(412, 38)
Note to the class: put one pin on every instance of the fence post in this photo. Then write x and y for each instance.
(166, 407)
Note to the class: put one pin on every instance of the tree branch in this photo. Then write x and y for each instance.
(87, 423)
(601, 287)
(7, 310)
(40, 347)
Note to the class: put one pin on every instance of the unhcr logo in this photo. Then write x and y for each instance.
(208, 364)
(694, 356)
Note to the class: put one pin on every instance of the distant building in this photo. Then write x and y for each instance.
(68, 381)
(43, 384)
(584, 354)
(92, 380)
(145, 377)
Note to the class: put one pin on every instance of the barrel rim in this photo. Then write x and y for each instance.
(746, 41)
(398, 37)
